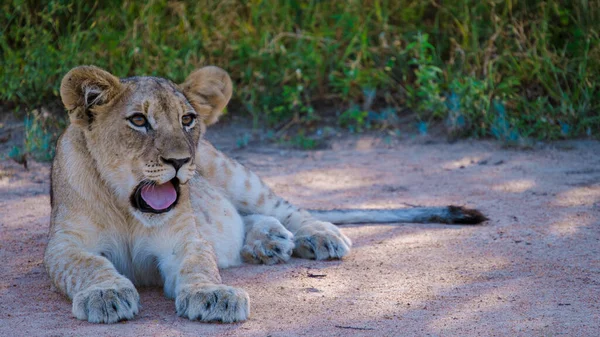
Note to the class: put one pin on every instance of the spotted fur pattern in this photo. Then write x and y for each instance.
(102, 246)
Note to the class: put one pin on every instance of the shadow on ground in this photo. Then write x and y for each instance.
(533, 269)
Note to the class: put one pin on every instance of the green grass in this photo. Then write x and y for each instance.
(509, 69)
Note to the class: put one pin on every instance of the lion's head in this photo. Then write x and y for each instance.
(142, 132)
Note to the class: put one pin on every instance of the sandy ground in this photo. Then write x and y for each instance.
(532, 270)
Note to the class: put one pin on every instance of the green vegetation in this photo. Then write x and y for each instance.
(509, 69)
(41, 132)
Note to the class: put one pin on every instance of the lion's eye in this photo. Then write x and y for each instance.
(187, 120)
(138, 120)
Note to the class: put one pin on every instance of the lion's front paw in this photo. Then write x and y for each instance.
(268, 243)
(212, 303)
(106, 305)
(321, 241)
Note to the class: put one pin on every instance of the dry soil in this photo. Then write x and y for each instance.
(533, 269)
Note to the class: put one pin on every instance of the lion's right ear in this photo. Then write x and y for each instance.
(85, 87)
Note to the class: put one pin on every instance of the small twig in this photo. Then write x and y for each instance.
(410, 205)
(289, 124)
(352, 327)
(316, 275)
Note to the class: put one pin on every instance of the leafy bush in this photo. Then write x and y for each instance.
(41, 132)
(452, 61)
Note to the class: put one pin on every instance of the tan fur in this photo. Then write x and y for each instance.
(101, 246)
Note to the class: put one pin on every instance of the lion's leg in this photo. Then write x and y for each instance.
(99, 293)
(314, 239)
(217, 221)
(189, 268)
(267, 240)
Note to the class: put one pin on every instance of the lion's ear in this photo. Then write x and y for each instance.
(85, 87)
(208, 90)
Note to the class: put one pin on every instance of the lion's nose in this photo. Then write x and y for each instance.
(176, 163)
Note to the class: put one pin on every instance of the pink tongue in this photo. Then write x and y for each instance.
(159, 197)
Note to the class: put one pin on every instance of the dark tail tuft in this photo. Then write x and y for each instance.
(466, 216)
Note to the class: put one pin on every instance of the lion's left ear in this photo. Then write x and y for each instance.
(208, 90)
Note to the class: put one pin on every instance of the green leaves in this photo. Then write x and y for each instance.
(540, 58)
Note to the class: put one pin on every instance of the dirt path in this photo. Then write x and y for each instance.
(533, 269)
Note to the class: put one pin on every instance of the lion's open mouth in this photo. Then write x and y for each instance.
(152, 198)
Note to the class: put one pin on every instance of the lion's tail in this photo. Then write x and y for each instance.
(446, 215)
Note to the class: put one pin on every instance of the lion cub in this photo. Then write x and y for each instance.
(138, 198)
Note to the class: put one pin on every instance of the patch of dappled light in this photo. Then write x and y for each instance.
(328, 179)
(580, 196)
(569, 226)
(377, 204)
(5, 177)
(366, 143)
(515, 186)
(462, 163)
